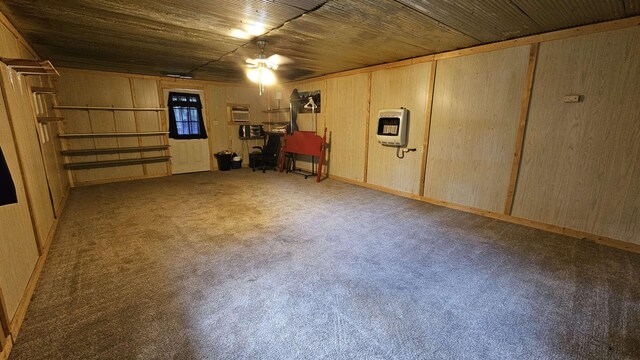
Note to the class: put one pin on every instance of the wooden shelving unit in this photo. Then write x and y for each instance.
(105, 108)
(274, 111)
(85, 152)
(90, 135)
(30, 67)
(112, 163)
(42, 90)
(48, 119)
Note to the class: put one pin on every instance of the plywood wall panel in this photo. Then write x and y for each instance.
(18, 249)
(474, 126)
(23, 124)
(41, 105)
(220, 132)
(307, 121)
(581, 161)
(99, 89)
(395, 88)
(251, 97)
(347, 109)
(145, 94)
(8, 44)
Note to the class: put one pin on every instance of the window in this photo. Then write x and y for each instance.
(185, 116)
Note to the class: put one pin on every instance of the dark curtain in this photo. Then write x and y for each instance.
(173, 128)
(7, 188)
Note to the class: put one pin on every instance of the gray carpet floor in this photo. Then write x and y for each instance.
(242, 265)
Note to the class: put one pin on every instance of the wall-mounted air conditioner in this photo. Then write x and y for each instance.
(240, 113)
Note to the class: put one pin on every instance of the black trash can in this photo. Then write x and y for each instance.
(224, 160)
(236, 162)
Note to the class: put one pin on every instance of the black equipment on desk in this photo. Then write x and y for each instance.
(247, 132)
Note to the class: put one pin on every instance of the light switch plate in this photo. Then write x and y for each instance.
(571, 98)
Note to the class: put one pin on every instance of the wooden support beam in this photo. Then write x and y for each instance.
(366, 129)
(427, 127)
(522, 126)
(4, 316)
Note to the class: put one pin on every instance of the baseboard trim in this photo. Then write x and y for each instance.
(21, 311)
(579, 234)
(376, 187)
(6, 349)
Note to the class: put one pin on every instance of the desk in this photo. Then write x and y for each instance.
(304, 143)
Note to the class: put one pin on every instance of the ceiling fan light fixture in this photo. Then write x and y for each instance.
(268, 77)
(254, 75)
(262, 75)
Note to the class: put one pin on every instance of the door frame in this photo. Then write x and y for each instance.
(198, 90)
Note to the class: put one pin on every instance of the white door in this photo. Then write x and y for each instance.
(190, 155)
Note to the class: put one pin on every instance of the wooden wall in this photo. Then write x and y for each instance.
(391, 89)
(248, 95)
(474, 125)
(96, 89)
(347, 114)
(41, 184)
(92, 88)
(581, 161)
(18, 248)
(499, 139)
(305, 121)
(23, 122)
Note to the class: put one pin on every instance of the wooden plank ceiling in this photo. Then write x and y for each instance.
(199, 37)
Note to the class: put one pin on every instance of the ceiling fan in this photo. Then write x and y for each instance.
(261, 68)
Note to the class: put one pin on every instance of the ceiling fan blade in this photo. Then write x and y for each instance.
(279, 60)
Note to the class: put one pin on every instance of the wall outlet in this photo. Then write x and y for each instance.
(571, 98)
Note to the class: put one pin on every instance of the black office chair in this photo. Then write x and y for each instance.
(268, 156)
